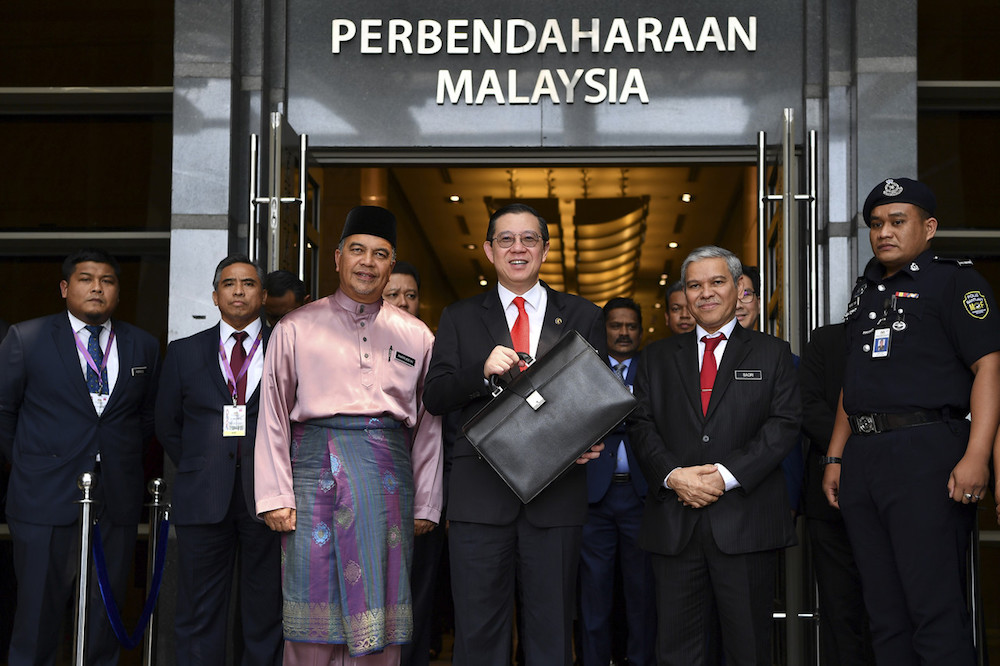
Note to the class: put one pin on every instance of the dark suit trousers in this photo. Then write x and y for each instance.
(206, 555)
(427, 550)
(910, 541)
(46, 559)
(613, 527)
(843, 625)
(485, 562)
(742, 587)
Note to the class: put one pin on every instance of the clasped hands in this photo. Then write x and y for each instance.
(697, 486)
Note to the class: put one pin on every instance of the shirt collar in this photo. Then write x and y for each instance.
(226, 331)
(78, 324)
(727, 329)
(532, 297)
(613, 361)
(355, 308)
(876, 272)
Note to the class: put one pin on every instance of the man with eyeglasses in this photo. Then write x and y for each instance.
(748, 302)
(499, 545)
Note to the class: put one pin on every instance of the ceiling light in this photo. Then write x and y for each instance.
(657, 305)
(651, 329)
(663, 282)
(470, 246)
(483, 281)
(663, 276)
(673, 245)
(454, 198)
(687, 197)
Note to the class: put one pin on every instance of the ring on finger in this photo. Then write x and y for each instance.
(968, 496)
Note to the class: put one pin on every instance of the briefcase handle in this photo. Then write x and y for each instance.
(495, 381)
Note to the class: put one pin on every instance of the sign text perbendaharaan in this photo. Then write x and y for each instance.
(517, 36)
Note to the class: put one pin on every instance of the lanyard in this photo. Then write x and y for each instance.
(227, 369)
(90, 359)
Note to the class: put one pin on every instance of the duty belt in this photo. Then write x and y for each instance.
(873, 424)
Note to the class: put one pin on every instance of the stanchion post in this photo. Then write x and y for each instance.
(86, 483)
(158, 489)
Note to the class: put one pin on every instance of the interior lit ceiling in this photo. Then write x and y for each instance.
(611, 227)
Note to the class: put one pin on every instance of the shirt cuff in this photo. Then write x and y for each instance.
(727, 476)
(667, 478)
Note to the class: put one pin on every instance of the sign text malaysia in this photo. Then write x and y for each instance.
(518, 36)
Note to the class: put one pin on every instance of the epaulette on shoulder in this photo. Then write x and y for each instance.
(961, 263)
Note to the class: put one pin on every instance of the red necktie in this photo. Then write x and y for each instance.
(519, 332)
(709, 368)
(236, 360)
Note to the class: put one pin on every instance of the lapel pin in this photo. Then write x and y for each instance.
(558, 321)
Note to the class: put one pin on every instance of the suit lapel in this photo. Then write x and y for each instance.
(737, 349)
(553, 323)
(265, 334)
(686, 358)
(62, 339)
(126, 356)
(210, 349)
(495, 320)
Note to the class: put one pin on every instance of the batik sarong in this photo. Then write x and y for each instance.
(346, 567)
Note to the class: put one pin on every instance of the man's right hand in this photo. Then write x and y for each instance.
(500, 360)
(694, 485)
(831, 484)
(280, 520)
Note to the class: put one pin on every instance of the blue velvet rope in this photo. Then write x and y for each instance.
(130, 642)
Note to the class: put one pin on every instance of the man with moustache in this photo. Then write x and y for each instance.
(497, 544)
(347, 458)
(77, 390)
(923, 351)
(616, 492)
(718, 410)
(679, 319)
(206, 420)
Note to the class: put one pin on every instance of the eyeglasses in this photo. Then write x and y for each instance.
(528, 239)
(747, 296)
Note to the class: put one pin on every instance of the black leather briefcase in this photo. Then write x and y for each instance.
(537, 425)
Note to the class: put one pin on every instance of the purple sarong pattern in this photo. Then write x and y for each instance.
(346, 567)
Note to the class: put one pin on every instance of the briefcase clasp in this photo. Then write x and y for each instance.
(535, 400)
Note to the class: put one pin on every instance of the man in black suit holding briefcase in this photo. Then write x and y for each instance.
(718, 411)
(493, 538)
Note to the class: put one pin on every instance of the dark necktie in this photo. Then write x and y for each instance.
(709, 368)
(95, 385)
(519, 334)
(620, 369)
(236, 360)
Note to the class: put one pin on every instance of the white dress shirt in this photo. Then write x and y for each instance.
(535, 300)
(256, 368)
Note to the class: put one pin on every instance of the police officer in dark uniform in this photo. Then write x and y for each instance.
(904, 465)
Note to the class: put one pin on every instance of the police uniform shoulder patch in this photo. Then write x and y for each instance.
(976, 304)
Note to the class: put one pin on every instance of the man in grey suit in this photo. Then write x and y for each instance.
(718, 411)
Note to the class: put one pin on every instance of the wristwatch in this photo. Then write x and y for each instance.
(830, 460)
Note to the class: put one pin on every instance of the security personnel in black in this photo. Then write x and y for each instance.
(904, 464)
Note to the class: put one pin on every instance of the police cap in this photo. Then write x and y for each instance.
(900, 190)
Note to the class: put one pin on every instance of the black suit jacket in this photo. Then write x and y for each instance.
(192, 394)
(601, 471)
(752, 423)
(821, 376)
(468, 332)
(51, 432)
